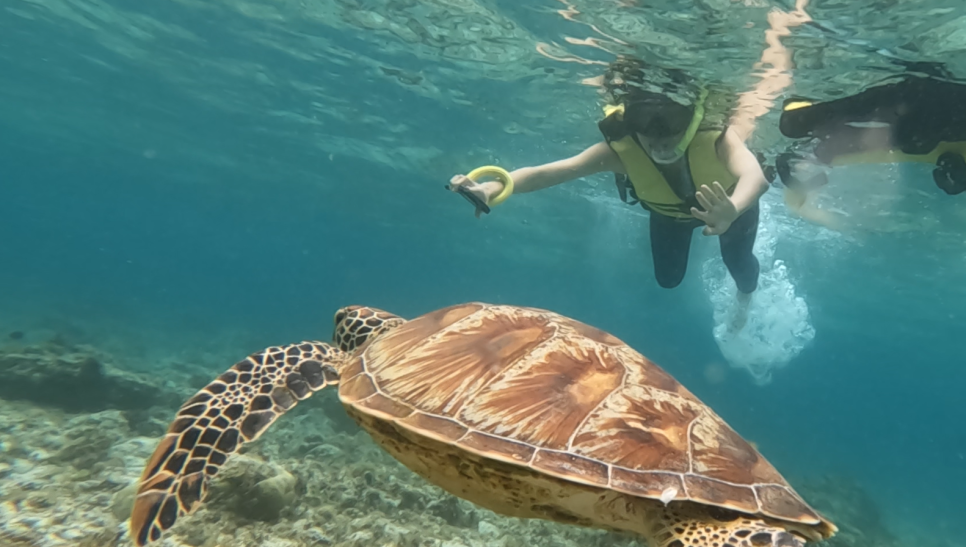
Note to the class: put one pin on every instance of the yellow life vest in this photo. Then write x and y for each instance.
(650, 185)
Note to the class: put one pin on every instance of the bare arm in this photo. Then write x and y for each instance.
(596, 159)
(744, 165)
(801, 201)
(718, 209)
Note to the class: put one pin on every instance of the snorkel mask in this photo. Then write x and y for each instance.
(660, 117)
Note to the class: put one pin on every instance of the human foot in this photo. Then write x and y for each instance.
(740, 317)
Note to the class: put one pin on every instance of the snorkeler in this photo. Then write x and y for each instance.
(685, 175)
(911, 119)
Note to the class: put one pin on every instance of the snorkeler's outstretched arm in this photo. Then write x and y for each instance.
(595, 159)
(801, 201)
(742, 163)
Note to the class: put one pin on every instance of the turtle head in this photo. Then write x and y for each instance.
(356, 325)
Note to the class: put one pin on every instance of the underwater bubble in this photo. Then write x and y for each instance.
(778, 326)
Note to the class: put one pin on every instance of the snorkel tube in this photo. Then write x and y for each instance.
(692, 129)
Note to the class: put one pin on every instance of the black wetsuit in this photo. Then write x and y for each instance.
(671, 237)
(671, 244)
(912, 115)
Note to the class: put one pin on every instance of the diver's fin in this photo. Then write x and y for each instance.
(795, 103)
(794, 122)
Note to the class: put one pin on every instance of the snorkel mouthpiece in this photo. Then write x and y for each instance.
(662, 118)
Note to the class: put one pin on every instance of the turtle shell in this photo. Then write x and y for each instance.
(536, 389)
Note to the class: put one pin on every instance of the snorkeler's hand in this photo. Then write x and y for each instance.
(719, 211)
(484, 191)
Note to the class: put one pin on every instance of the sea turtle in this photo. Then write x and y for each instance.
(522, 411)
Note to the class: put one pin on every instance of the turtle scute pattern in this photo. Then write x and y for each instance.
(233, 409)
(690, 525)
(534, 388)
(355, 325)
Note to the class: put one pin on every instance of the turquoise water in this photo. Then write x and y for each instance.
(182, 177)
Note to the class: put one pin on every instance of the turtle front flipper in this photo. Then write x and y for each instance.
(236, 408)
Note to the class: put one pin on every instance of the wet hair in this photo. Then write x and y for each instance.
(648, 94)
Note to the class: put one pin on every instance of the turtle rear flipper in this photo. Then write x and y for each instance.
(235, 408)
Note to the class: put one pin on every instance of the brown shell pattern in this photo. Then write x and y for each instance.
(538, 389)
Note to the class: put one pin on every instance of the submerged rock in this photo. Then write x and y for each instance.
(455, 512)
(77, 379)
(123, 501)
(88, 440)
(254, 489)
(58, 492)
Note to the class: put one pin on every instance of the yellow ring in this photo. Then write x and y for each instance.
(498, 172)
